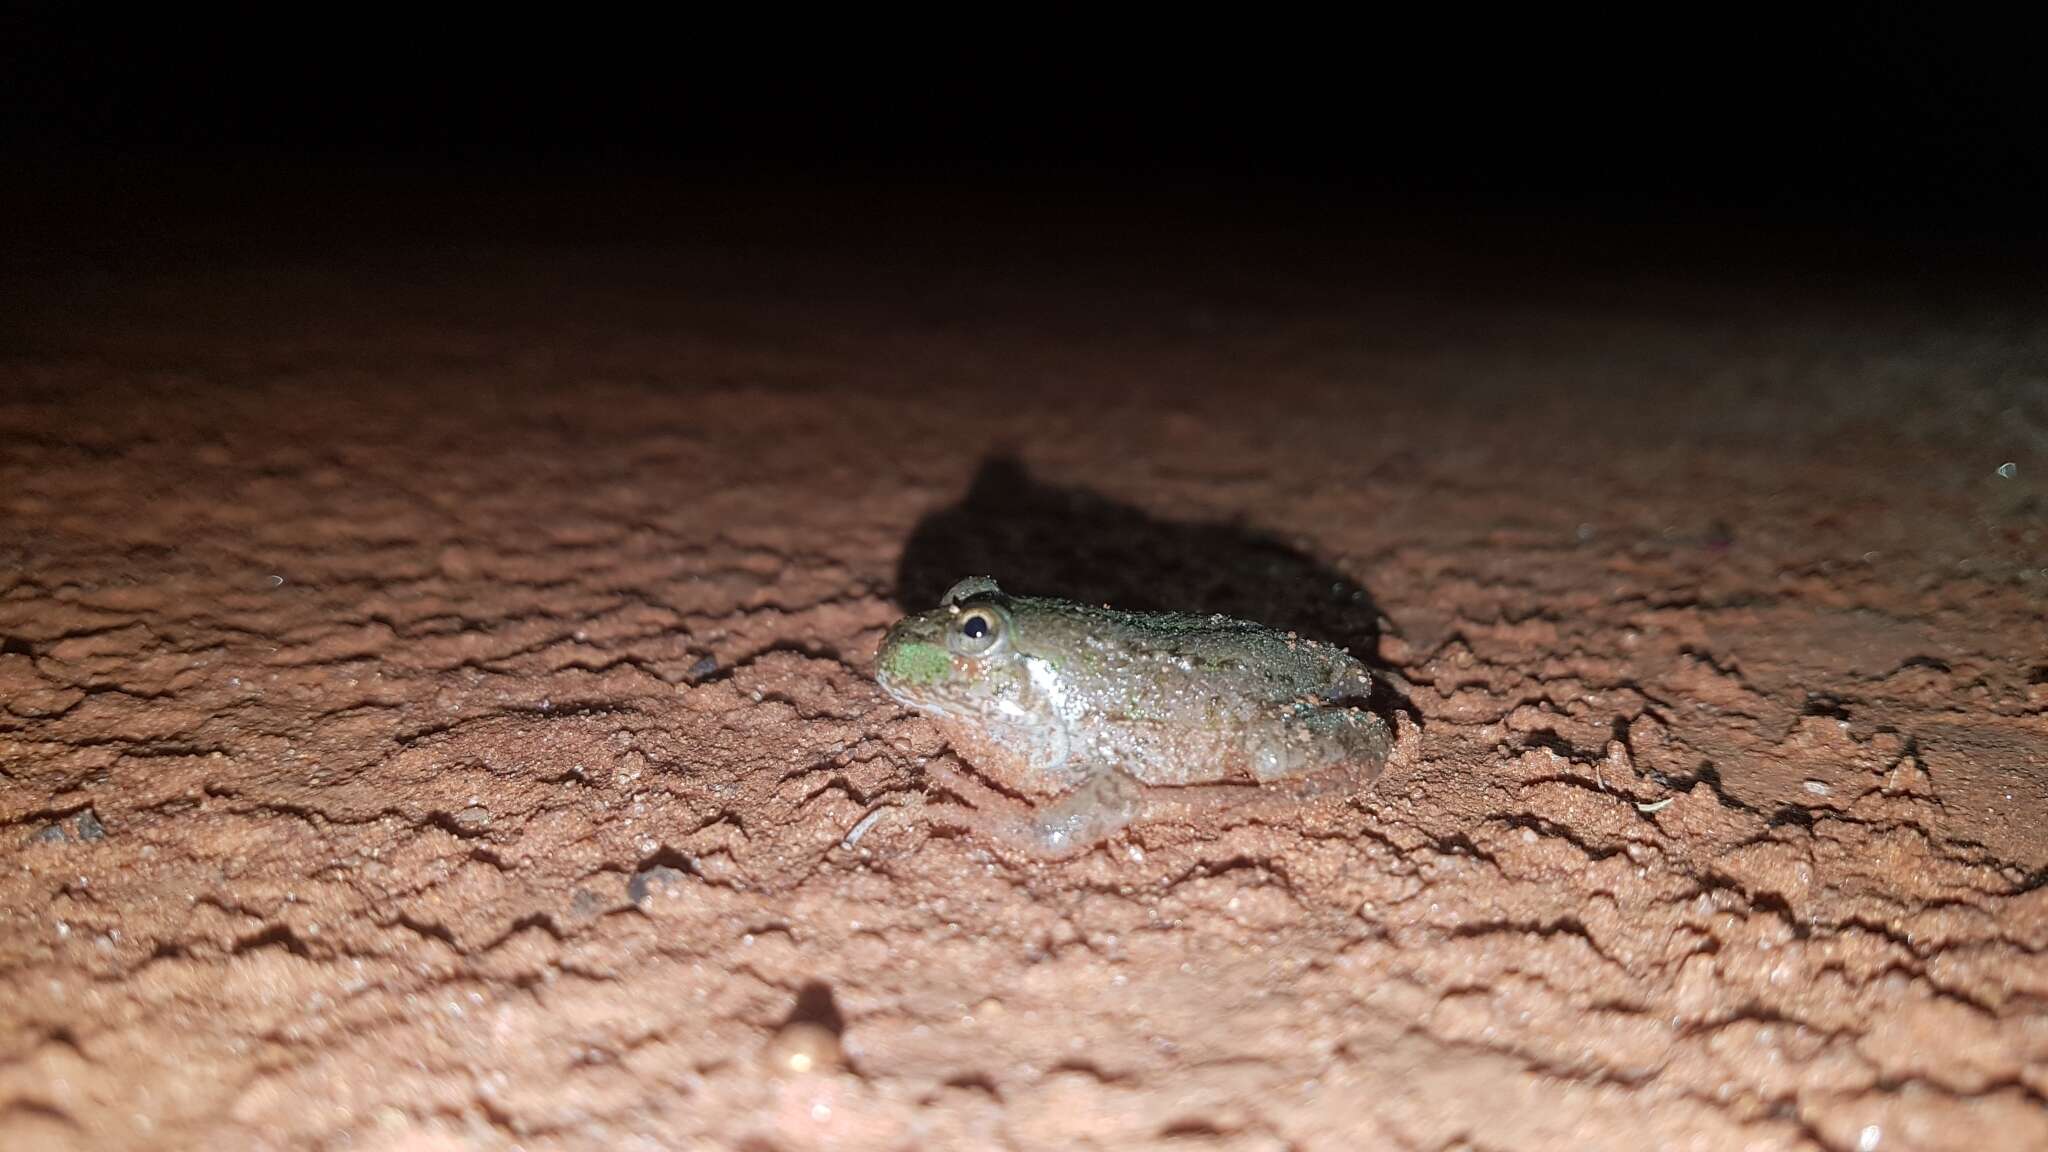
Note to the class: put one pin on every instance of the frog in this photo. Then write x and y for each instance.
(1079, 720)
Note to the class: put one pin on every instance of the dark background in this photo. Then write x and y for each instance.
(1707, 136)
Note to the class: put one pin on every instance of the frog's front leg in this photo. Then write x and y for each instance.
(1104, 804)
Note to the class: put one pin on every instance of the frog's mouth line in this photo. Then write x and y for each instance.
(925, 704)
(963, 714)
(935, 703)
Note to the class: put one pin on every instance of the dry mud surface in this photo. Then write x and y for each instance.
(437, 712)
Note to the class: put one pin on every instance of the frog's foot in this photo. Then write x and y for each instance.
(1066, 827)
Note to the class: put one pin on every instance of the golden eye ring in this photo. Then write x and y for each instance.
(978, 629)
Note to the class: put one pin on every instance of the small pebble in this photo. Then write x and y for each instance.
(647, 879)
(803, 1046)
(86, 825)
(584, 904)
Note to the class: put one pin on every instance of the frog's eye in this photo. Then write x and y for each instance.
(977, 630)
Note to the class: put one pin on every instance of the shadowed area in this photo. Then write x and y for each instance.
(1040, 539)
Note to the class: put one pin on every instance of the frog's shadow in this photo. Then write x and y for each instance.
(1042, 540)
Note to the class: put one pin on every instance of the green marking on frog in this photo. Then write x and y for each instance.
(917, 663)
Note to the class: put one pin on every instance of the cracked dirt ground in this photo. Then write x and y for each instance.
(437, 699)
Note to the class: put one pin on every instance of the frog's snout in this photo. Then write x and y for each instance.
(885, 653)
(913, 654)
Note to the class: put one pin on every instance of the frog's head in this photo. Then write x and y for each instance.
(959, 660)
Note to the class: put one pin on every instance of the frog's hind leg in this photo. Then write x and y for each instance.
(1316, 740)
(1319, 753)
(1069, 826)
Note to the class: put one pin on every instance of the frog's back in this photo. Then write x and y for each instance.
(1244, 658)
(1174, 698)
